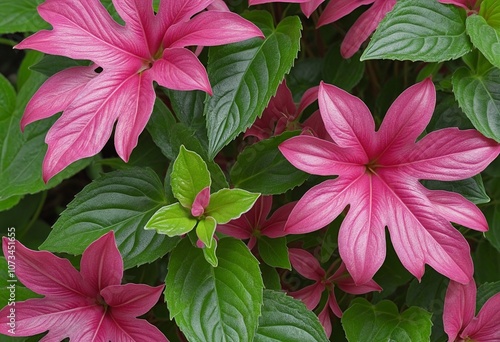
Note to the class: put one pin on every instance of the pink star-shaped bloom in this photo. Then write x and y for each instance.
(282, 114)
(364, 26)
(378, 177)
(254, 223)
(308, 266)
(307, 6)
(458, 316)
(149, 47)
(90, 305)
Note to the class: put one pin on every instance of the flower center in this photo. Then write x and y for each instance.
(101, 302)
(371, 167)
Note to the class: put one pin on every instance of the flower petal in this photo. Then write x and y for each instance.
(449, 154)
(309, 7)
(86, 125)
(466, 4)
(326, 320)
(306, 264)
(419, 235)
(102, 265)
(131, 300)
(67, 316)
(172, 12)
(362, 233)
(338, 9)
(140, 19)
(459, 307)
(364, 27)
(485, 327)
(320, 205)
(56, 94)
(259, 2)
(456, 208)
(200, 202)
(132, 329)
(320, 157)
(309, 97)
(310, 295)
(344, 281)
(45, 273)
(180, 69)
(211, 28)
(406, 119)
(347, 120)
(275, 226)
(85, 30)
(132, 121)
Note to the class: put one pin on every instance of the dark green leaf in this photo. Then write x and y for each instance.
(470, 188)
(479, 97)
(169, 136)
(214, 304)
(122, 201)
(274, 252)
(270, 277)
(262, 168)
(49, 64)
(485, 292)
(492, 214)
(228, 204)
(172, 220)
(488, 259)
(410, 32)
(245, 75)
(21, 16)
(306, 73)
(383, 322)
(189, 176)
(344, 73)
(287, 319)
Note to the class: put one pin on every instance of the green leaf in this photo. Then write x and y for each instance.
(484, 30)
(21, 16)
(479, 98)
(271, 277)
(346, 73)
(172, 220)
(214, 304)
(485, 292)
(245, 75)
(188, 107)
(210, 253)
(410, 32)
(21, 153)
(50, 64)
(287, 319)
(228, 204)
(122, 201)
(470, 188)
(383, 322)
(488, 257)
(274, 252)
(262, 168)
(189, 176)
(205, 230)
(24, 72)
(9, 202)
(492, 214)
(169, 136)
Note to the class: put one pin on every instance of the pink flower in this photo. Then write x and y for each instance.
(148, 48)
(282, 113)
(307, 6)
(364, 26)
(90, 305)
(254, 223)
(378, 176)
(465, 4)
(458, 316)
(308, 266)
